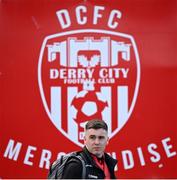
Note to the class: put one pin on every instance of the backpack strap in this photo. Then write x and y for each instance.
(83, 166)
(53, 168)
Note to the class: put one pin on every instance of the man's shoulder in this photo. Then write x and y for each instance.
(72, 158)
(110, 158)
(75, 159)
(67, 166)
(74, 168)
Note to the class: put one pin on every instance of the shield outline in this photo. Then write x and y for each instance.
(89, 31)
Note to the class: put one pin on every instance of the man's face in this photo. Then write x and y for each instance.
(96, 141)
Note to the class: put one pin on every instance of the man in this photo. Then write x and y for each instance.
(99, 165)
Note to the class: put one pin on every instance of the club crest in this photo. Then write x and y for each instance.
(88, 74)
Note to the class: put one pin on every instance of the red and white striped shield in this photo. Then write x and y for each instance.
(88, 74)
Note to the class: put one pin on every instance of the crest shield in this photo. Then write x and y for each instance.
(88, 74)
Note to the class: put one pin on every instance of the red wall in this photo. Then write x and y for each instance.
(146, 145)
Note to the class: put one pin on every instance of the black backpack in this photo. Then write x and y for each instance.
(57, 168)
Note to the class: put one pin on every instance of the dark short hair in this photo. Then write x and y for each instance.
(96, 124)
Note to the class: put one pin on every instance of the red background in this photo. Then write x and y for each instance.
(23, 27)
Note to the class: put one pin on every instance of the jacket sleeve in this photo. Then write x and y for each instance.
(73, 170)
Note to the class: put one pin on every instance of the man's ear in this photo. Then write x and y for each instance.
(84, 138)
(108, 141)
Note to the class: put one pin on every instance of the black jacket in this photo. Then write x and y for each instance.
(73, 169)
